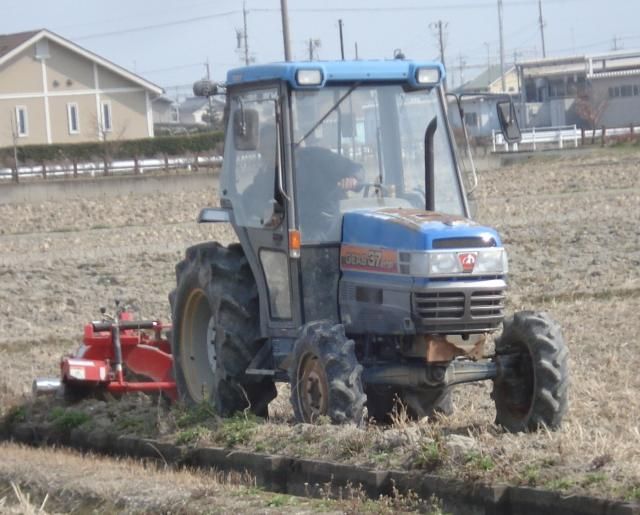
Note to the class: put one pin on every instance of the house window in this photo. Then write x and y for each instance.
(471, 119)
(107, 121)
(22, 123)
(626, 91)
(73, 119)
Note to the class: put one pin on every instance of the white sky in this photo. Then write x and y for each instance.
(173, 54)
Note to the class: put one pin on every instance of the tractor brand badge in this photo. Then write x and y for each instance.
(468, 261)
(353, 257)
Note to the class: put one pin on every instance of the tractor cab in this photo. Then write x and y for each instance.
(308, 143)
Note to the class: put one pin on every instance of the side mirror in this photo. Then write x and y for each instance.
(508, 121)
(245, 129)
(205, 88)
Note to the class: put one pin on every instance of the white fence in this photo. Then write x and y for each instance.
(96, 168)
(539, 136)
(556, 136)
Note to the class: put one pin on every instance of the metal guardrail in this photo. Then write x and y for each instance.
(558, 135)
(99, 168)
(537, 136)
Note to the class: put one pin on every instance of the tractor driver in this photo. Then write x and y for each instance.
(323, 179)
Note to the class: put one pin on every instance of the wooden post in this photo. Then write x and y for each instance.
(604, 133)
(136, 167)
(44, 170)
(75, 168)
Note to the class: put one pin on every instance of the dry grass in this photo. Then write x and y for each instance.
(572, 229)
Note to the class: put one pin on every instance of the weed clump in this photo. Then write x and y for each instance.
(68, 419)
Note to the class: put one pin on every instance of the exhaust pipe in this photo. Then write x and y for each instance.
(45, 386)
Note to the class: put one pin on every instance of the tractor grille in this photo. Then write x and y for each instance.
(468, 308)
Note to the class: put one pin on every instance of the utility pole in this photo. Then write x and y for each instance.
(502, 81)
(486, 44)
(463, 64)
(615, 43)
(209, 98)
(244, 33)
(341, 39)
(285, 29)
(438, 26)
(541, 20)
(357, 57)
(314, 44)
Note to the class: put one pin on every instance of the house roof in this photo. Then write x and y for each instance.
(485, 79)
(10, 41)
(12, 44)
(193, 104)
(610, 64)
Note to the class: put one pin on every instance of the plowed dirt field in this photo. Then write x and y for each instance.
(571, 225)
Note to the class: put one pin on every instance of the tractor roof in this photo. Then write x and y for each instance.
(393, 70)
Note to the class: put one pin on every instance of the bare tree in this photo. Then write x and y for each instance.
(590, 109)
(14, 135)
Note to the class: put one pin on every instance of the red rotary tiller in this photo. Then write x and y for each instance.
(111, 350)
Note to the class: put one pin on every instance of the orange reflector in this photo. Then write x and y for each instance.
(294, 243)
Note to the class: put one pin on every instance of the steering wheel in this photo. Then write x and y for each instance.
(368, 186)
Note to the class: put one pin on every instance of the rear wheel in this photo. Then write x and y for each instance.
(215, 331)
(534, 392)
(326, 378)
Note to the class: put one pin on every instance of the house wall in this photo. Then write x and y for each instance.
(21, 74)
(617, 111)
(87, 118)
(69, 70)
(69, 77)
(35, 121)
(163, 112)
(129, 114)
(108, 80)
(510, 82)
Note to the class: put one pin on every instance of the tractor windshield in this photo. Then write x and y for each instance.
(364, 147)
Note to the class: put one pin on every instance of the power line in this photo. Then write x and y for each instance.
(483, 5)
(156, 26)
(172, 68)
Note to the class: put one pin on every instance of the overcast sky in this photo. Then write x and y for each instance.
(168, 42)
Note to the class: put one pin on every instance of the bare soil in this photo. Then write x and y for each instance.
(572, 229)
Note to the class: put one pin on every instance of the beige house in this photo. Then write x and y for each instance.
(54, 91)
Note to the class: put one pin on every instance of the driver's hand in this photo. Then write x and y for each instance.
(348, 183)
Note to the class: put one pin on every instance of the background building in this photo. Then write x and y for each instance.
(589, 91)
(54, 91)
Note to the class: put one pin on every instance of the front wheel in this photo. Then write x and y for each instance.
(533, 392)
(326, 378)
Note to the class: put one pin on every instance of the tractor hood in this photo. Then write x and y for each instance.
(414, 229)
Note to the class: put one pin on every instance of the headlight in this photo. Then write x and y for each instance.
(492, 261)
(459, 262)
(443, 263)
(428, 75)
(310, 77)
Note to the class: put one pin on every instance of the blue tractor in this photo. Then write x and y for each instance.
(359, 277)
